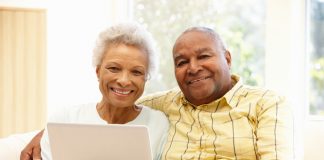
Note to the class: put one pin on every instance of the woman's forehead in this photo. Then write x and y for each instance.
(126, 54)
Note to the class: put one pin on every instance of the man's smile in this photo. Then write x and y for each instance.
(197, 80)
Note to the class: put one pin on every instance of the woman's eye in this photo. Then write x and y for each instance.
(113, 69)
(137, 73)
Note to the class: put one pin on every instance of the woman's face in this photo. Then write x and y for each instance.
(122, 75)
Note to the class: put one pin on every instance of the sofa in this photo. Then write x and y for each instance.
(11, 146)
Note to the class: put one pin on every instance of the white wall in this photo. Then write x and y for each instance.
(286, 64)
(24, 3)
(285, 58)
(314, 140)
(73, 27)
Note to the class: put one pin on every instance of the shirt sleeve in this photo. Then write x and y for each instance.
(157, 101)
(275, 128)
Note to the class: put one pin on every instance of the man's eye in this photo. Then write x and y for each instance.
(181, 63)
(204, 56)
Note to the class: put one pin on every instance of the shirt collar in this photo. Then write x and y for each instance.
(237, 84)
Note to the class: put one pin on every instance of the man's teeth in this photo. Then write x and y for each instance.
(121, 92)
(196, 80)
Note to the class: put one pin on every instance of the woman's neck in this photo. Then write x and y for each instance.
(117, 115)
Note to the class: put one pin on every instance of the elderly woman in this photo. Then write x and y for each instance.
(124, 58)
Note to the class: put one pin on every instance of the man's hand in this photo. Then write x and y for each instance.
(32, 151)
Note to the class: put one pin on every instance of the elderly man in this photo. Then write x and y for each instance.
(213, 115)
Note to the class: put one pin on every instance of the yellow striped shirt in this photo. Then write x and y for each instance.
(246, 123)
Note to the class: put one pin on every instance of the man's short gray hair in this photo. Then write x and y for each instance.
(128, 34)
(220, 44)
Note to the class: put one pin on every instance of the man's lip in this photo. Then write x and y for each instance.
(197, 80)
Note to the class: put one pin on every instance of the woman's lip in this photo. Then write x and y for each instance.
(121, 91)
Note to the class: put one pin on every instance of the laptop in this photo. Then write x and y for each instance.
(99, 142)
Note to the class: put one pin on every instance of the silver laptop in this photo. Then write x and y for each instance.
(99, 142)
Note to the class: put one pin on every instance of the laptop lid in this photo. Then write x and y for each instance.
(98, 142)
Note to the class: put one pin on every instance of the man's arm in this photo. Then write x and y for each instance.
(275, 129)
(159, 100)
(32, 151)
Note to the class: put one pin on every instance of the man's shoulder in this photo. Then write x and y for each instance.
(257, 90)
(262, 94)
(240, 88)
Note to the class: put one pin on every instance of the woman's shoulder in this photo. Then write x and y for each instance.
(154, 116)
(82, 107)
(152, 112)
(72, 113)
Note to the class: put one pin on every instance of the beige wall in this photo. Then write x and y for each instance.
(22, 70)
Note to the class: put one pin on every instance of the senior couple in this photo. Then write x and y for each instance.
(212, 115)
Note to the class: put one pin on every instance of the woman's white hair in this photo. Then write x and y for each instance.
(130, 33)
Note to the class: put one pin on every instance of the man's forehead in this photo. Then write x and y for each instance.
(193, 37)
(195, 51)
(194, 33)
(189, 39)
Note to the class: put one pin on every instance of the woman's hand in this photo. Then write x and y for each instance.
(32, 151)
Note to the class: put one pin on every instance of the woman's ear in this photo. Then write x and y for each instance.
(147, 77)
(98, 72)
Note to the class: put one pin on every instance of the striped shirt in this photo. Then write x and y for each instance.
(246, 123)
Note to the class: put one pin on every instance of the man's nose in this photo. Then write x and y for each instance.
(194, 67)
(124, 79)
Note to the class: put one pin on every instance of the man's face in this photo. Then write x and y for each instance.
(202, 70)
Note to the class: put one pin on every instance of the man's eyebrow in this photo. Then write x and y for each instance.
(201, 50)
(177, 56)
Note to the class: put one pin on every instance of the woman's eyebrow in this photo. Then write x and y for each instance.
(139, 67)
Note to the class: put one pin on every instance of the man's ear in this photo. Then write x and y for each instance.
(228, 58)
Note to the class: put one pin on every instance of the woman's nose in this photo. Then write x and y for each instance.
(124, 79)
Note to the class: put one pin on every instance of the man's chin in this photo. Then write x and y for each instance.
(198, 97)
(201, 92)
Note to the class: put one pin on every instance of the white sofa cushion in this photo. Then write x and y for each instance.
(11, 146)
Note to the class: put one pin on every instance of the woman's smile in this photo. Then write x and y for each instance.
(121, 92)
